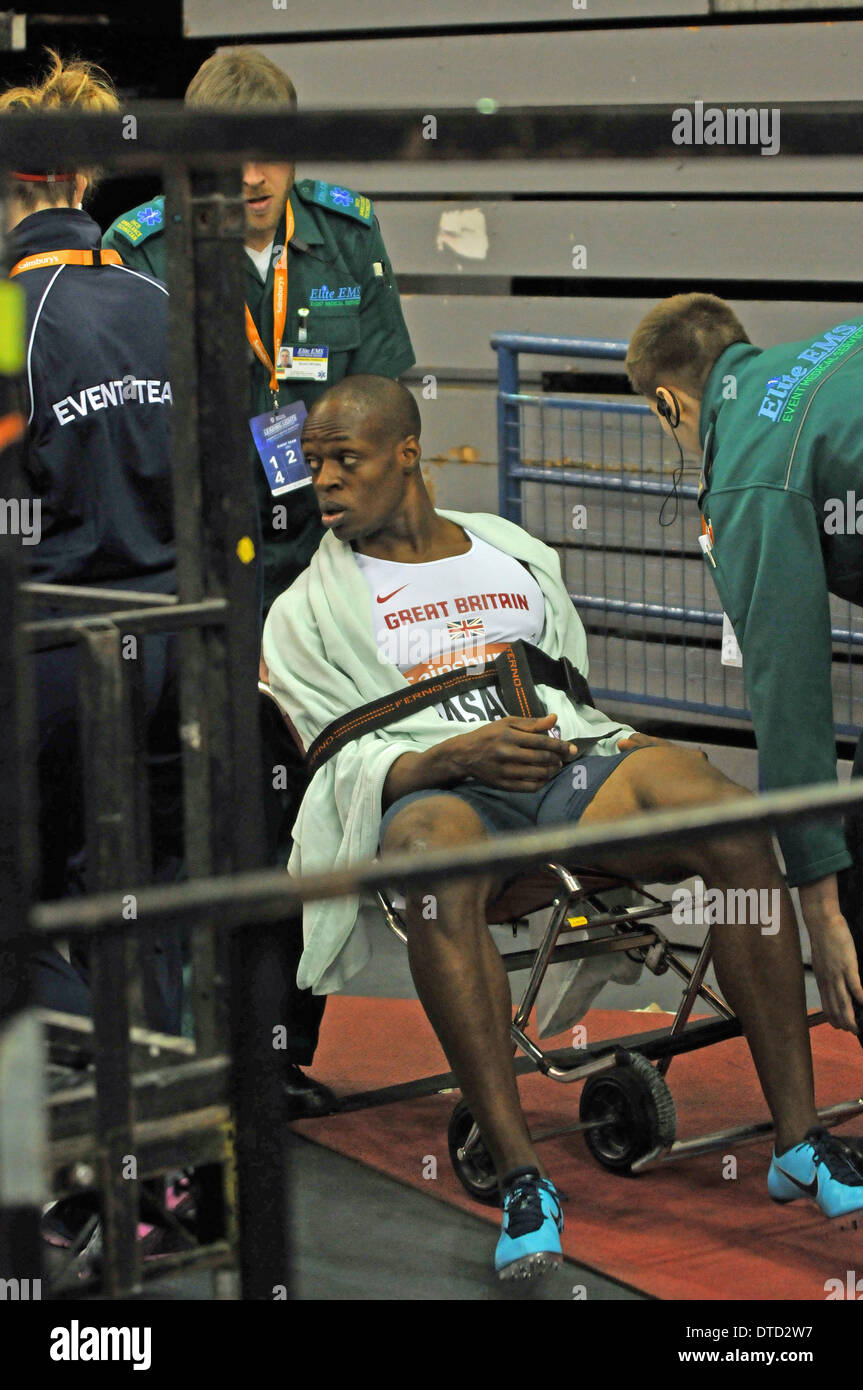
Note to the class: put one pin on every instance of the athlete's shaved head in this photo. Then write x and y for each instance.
(361, 443)
(376, 407)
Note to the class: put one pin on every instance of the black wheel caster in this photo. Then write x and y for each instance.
(475, 1170)
(636, 1111)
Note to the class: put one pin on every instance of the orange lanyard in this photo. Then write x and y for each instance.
(12, 427)
(280, 308)
(46, 258)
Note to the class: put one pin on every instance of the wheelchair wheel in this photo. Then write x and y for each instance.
(475, 1171)
(637, 1107)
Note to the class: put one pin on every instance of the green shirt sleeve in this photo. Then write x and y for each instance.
(385, 347)
(771, 580)
(149, 257)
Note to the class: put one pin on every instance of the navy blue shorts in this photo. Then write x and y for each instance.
(562, 801)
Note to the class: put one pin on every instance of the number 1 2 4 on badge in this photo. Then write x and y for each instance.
(277, 440)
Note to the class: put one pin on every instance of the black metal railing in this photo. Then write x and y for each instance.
(211, 1108)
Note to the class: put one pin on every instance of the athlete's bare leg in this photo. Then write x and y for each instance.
(759, 972)
(463, 986)
(460, 977)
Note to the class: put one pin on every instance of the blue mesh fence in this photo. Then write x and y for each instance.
(590, 476)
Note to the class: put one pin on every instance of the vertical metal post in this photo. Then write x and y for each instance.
(110, 777)
(508, 448)
(229, 512)
(196, 701)
(23, 1183)
(231, 531)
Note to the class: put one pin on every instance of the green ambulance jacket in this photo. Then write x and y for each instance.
(339, 270)
(782, 433)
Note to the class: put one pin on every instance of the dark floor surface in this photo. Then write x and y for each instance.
(361, 1236)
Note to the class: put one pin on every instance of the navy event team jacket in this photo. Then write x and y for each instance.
(98, 455)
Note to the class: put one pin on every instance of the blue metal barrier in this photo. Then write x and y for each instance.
(652, 614)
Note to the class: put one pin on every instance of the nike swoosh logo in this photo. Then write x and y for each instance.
(386, 597)
(811, 1188)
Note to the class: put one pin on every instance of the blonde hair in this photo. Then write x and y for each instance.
(677, 343)
(241, 77)
(72, 84)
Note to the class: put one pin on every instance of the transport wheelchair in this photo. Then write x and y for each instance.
(626, 1110)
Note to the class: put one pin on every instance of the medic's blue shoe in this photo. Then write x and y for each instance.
(532, 1221)
(825, 1168)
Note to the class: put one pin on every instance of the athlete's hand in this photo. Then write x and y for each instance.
(515, 754)
(635, 740)
(834, 958)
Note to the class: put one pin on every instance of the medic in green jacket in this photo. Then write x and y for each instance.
(780, 436)
(342, 294)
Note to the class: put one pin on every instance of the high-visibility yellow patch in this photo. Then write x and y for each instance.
(576, 921)
(12, 328)
(131, 228)
(246, 550)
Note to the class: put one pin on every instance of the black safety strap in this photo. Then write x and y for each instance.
(518, 670)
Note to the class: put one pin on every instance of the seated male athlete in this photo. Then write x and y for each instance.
(395, 593)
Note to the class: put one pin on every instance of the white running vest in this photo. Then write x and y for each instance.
(438, 616)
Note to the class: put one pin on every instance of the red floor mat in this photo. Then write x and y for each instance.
(688, 1230)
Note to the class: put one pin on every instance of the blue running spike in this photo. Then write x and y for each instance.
(532, 1221)
(825, 1168)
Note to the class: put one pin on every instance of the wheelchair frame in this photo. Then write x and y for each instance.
(626, 1110)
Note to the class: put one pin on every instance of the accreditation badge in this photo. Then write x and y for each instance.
(277, 440)
(300, 362)
(731, 653)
